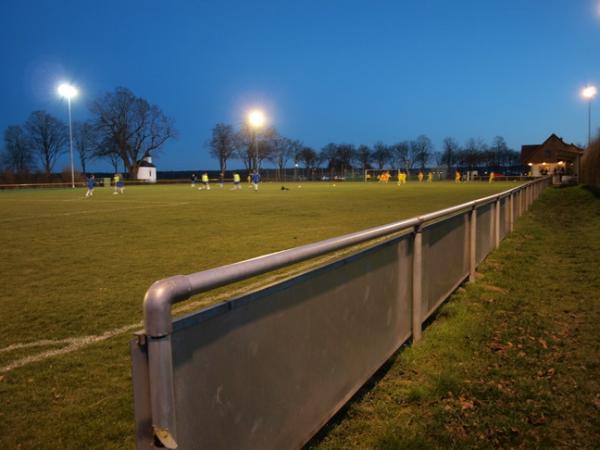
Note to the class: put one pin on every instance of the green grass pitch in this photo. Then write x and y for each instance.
(74, 272)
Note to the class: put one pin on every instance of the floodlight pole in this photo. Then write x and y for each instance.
(255, 151)
(71, 143)
(589, 122)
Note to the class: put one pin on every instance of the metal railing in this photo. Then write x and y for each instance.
(268, 369)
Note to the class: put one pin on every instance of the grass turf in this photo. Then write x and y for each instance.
(74, 267)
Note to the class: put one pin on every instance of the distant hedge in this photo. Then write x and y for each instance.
(590, 166)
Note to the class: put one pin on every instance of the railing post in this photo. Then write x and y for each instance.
(417, 283)
(472, 243)
(492, 236)
(511, 212)
(497, 224)
(162, 397)
(521, 201)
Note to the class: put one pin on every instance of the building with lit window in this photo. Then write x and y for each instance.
(552, 157)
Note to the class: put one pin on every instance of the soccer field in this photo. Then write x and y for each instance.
(74, 272)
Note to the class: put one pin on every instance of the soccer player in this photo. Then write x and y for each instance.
(194, 180)
(420, 176)
(255, 180)
(457, 176)
(401, 178)
(91, 184)
(430, 177)
(221, 179)
(119, 184)
(236, 181)
(492, 176)
(205, 183)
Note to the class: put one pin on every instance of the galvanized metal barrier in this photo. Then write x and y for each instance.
(270, 368)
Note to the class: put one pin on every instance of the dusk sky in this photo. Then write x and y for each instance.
(324, 71)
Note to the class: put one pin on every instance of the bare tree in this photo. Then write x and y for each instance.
(243, 146)
(498, 149)
(136, 127)
(222, 144)
(363, 157)
(437, 159)
(345, 155)
(47, 137)
(450, 154)
(17, 155)
(253, 147)
(473, 153)
(283, 149)
(381, 154)
(309, 158)
(420, 150)
(399, 154)
(329, 155)
(85, 141)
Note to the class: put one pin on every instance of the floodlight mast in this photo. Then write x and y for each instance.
(68, 91)
(588, 93)
(256, 119)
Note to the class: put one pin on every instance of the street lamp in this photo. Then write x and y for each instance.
(68, 91)
(588, 93)
(256, 119)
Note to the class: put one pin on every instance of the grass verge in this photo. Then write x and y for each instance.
(511, 361)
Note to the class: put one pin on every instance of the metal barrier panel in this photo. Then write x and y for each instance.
(504, 205)
(267, 370)
(485, 241)
(445, 260)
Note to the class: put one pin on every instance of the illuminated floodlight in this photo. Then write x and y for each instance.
(67, 91)
(530, 164)
(589, 92)
(256, 118)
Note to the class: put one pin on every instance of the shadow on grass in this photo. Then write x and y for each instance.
(445, 382)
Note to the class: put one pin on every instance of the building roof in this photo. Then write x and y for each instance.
(143, 163)
(553, 149)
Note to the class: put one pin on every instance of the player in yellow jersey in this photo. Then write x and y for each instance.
(430, 177)
(457, 176)
(420, 176)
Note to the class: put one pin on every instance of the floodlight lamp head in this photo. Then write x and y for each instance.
(256, 118)
(589, 92)
(67, 91)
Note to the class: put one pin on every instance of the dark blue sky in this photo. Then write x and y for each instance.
(341, 71)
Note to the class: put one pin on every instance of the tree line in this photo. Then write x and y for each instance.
(123, 128)
(253, 149)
